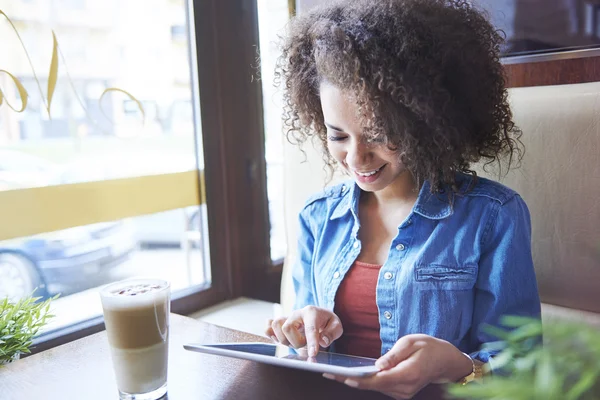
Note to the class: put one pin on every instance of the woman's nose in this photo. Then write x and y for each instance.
(358, 153)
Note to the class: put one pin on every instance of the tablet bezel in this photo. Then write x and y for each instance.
(282, 362)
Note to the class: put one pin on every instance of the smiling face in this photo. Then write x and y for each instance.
(371, 164)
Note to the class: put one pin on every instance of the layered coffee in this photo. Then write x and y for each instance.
(136, 314)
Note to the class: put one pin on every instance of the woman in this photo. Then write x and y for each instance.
(408, 260)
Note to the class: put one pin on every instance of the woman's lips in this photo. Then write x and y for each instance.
(371, 177)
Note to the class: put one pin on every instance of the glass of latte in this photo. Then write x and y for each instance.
(136, 315)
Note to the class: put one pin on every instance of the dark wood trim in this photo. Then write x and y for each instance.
(211, 101)
(66, 335)
(233, 142)
(268, 288)
(196, 298)
(554, 72)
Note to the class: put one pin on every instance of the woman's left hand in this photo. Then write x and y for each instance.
(414, 362)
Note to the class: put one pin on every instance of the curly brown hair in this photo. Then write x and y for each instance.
(426, 76)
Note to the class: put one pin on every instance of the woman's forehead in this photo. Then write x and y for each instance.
(339, 107)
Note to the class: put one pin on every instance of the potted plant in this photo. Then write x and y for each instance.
(20, 321)
(565, 367)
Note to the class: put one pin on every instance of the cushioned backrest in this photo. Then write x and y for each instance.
(559, 178)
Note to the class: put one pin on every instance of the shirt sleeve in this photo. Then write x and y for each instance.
(506, 282)
(302, 272)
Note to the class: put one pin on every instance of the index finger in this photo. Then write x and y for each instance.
(316, 323)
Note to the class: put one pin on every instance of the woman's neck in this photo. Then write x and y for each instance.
(401, 192)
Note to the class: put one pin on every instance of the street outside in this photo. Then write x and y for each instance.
(170, 264)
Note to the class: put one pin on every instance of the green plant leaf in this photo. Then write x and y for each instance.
(497, 388)
(525, 332)
(496, 332)
(20, 321)
(516, 321)
(503, 359)
(585, 383)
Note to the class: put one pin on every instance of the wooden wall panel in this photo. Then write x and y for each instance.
(554, 72)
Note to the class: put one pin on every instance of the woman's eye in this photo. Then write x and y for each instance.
(336, 138)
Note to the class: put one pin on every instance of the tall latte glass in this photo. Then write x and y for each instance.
(136, 314)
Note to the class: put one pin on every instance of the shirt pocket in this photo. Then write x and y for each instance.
(445, 277)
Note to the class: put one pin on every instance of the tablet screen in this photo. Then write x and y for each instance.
(339, 360)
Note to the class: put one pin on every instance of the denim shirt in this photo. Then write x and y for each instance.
(453, 266)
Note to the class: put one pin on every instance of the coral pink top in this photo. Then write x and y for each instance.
(356, 306)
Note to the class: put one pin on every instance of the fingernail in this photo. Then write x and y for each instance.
(312, 351)
(382, 364)
(351, 383)
(329, 376)
(325, 340)
(274, 338)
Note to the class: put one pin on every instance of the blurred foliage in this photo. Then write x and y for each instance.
(565, 367)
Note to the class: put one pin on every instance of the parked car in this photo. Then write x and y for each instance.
(65, 261)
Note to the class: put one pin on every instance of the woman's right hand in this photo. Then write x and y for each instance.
(310, 326)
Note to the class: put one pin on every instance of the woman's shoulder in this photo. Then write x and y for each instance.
(330, 194)
(486, 189)
(330, 203)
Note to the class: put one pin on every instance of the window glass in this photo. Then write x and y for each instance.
(122, 108)
(272, 17)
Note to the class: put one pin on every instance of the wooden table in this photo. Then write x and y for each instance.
(83, 370)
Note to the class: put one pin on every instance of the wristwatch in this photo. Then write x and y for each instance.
(476, 374)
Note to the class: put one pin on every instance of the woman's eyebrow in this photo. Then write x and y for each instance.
(335, 128)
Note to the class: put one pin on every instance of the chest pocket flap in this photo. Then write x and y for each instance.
(445, 277)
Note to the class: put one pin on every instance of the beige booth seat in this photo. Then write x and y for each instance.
(559, 178)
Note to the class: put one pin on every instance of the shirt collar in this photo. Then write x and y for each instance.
(433, 205)
(348, 203)
(429, 205)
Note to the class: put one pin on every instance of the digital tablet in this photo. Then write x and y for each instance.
(324, 362)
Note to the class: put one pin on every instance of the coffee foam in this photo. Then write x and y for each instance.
(120, 295)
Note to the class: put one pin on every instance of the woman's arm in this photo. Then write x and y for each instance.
(302, 271)
(506, 283)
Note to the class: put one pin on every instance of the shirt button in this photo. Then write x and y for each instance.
(400, 247)
(355, 245)
(387, 315)
(388, 275)
(336, 274)
(343, 188)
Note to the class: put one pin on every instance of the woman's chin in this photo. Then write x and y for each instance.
(375, 186)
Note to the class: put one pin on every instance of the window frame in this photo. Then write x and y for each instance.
(232, 135)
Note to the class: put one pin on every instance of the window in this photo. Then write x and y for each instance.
(273, 15)
(124, 182)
